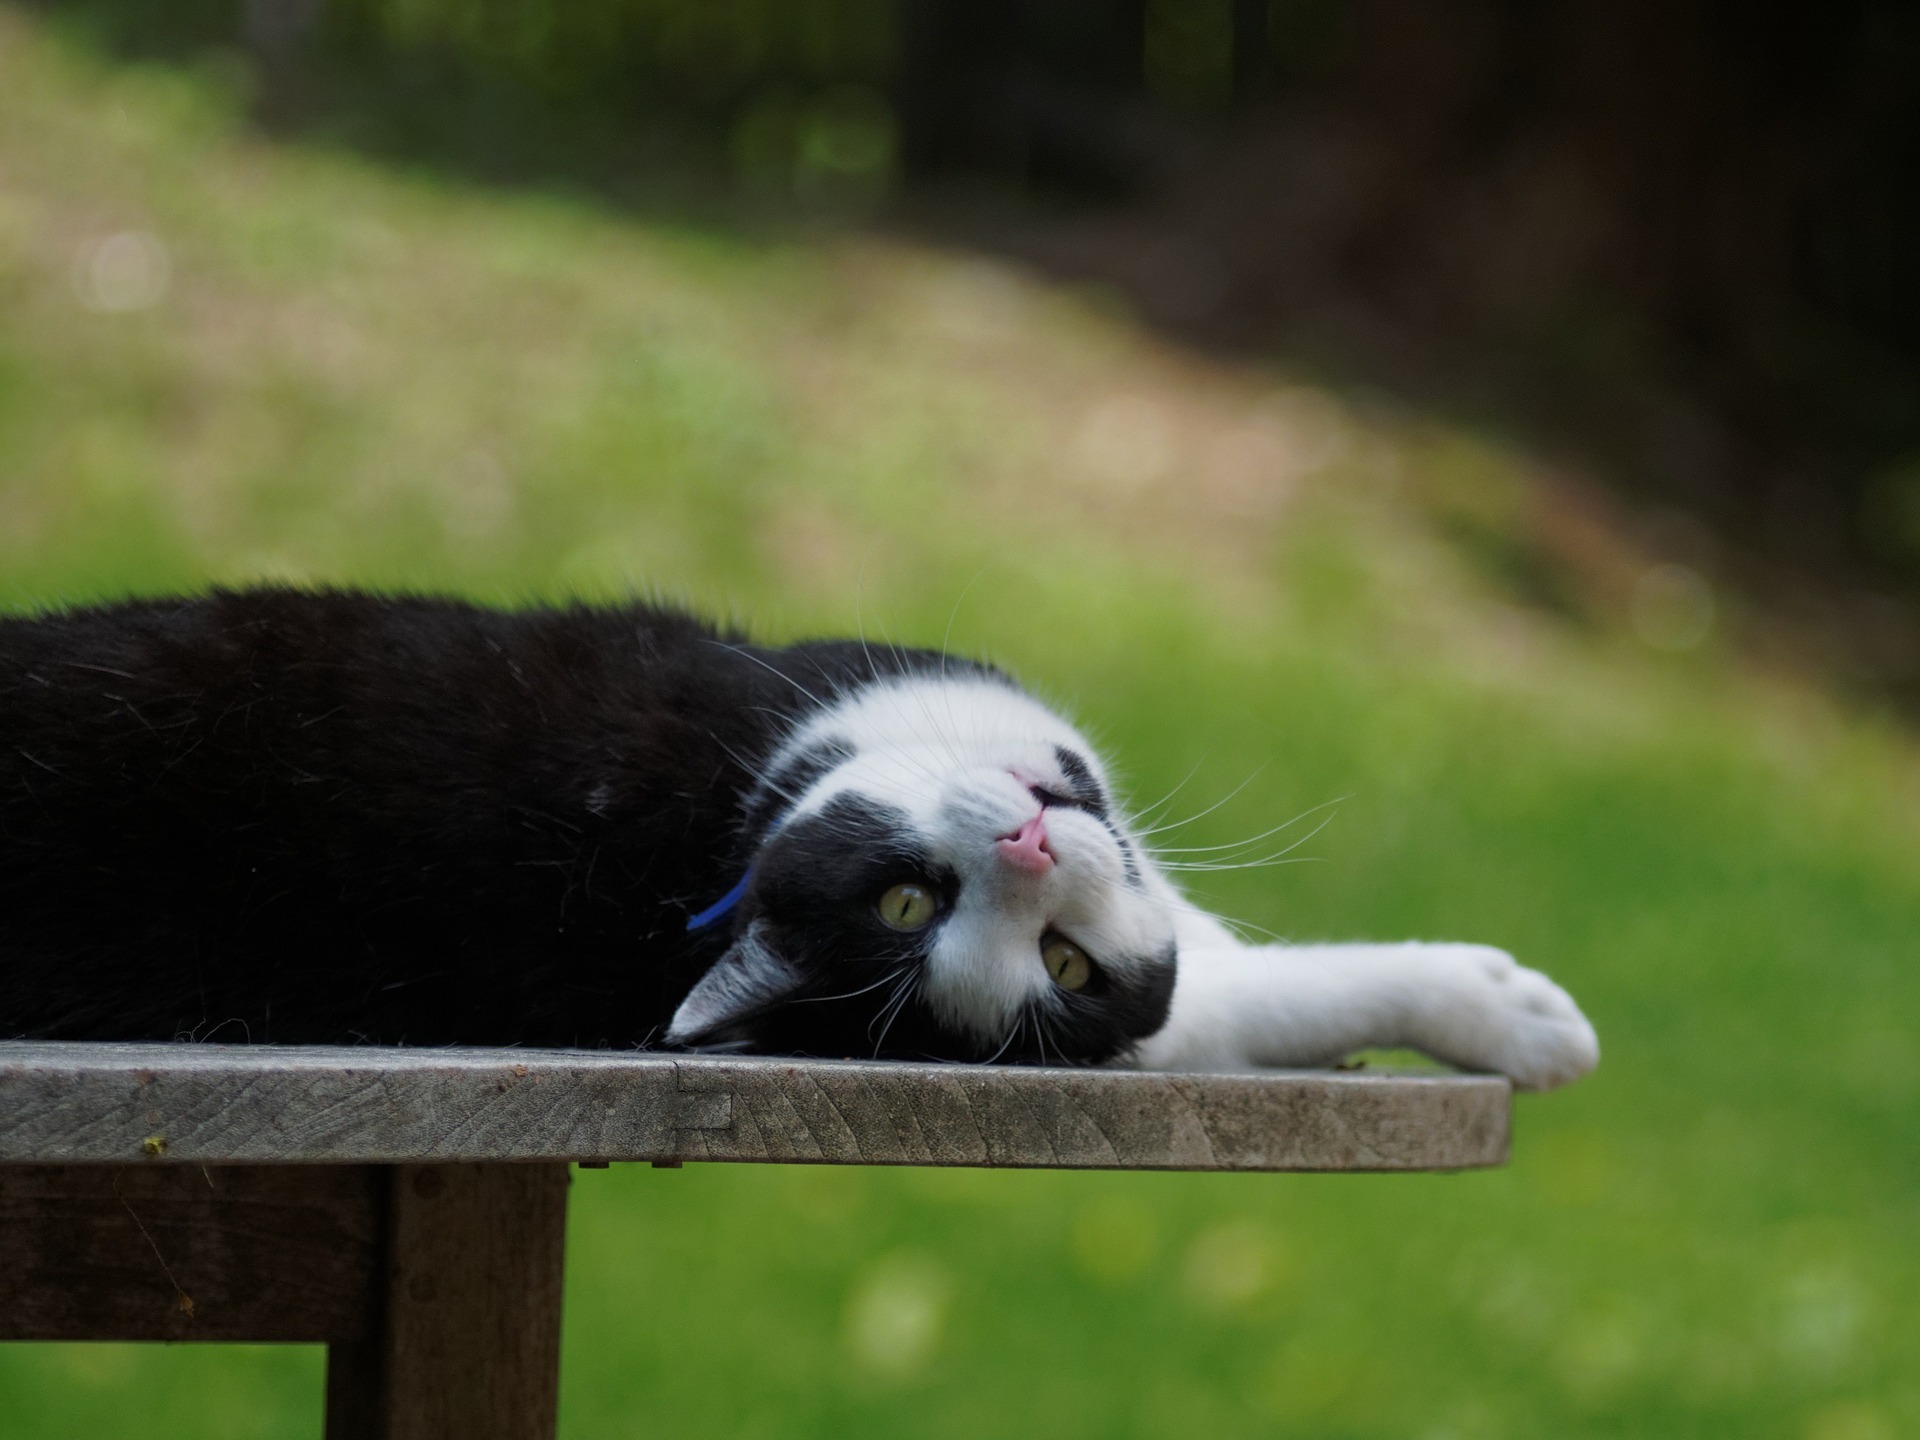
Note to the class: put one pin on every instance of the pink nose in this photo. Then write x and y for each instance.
(1026, 848)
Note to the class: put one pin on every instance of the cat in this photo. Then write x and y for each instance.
(272, 815)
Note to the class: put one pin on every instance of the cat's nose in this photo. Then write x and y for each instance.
(1026, 849)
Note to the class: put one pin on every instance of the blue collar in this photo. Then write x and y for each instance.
(722, 907)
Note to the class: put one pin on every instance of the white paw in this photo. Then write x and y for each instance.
(1488, 1013)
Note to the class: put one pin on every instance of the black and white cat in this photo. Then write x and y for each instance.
(276, 816)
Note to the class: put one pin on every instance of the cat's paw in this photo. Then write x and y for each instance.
(1490, 1013)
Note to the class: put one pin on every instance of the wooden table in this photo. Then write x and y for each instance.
(407, 1208)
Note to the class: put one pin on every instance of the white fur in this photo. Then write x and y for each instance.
(1306, 1005)
(955, 755)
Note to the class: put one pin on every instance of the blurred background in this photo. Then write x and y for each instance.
(1498, 419)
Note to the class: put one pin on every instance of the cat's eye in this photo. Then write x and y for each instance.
(908, 907)
(1066, 962)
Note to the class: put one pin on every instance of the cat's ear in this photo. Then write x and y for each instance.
(746, 981)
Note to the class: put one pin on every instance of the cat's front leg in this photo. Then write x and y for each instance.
(1237, 1006)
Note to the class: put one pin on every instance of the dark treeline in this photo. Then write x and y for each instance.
(1681, 234)
(1678, 234)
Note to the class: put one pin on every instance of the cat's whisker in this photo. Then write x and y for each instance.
(1278, 857)
(1238, 927)
(1144, 815)
(886, 979)
(770, 669)
(1040, 1035)
(946, 636)
(1288, 849)
(859, 617)
(1019, 1024)
(1224, 799)
(1198, 866)
(896, 1004)
(1263, 835)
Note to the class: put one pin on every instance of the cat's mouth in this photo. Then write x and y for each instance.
(1051, 795)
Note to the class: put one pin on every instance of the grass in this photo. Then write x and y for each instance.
(320, 369)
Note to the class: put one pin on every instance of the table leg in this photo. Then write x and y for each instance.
(354, 1397)
(469, 1342)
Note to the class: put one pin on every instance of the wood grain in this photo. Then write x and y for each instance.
(472, 1345)
(181, 1253)
(208, 1104)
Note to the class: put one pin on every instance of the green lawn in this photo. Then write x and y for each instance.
(296, 364)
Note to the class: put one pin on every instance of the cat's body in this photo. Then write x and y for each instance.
(281, 817)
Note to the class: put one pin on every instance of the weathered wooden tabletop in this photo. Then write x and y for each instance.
(67, 1103)
(407, 1208)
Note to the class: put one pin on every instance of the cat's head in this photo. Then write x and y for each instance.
(942, 874)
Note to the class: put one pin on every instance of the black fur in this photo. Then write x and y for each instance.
(275, 816)
(1085, 790)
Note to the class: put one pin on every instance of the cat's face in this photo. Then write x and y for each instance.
(944, 876)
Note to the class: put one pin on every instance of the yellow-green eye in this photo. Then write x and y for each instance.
(1067, 963)
(908, 907)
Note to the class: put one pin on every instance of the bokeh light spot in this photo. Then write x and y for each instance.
(127, 271)
(1230, 1266)
(895, 1314)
